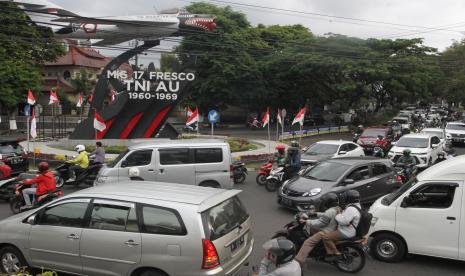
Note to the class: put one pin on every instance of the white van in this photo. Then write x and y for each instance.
(425, 216)
(195, 162)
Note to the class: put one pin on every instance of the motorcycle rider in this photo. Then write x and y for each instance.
(378, 152)
(347, 222)
(407, 161)
(80, 162)
(280, 156)
(293, 160)
(359, 130)
(99, 153)
(280, 252)
(44, 181)
(324, 223)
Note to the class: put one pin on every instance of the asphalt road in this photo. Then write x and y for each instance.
(268, 217)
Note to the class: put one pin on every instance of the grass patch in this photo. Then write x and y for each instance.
(91, 148)
(237, 144)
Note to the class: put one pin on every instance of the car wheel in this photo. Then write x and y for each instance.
(211, 184)
(388, 248)
(11, 260)
(151, 272)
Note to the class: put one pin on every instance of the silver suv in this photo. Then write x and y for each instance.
(139, 229)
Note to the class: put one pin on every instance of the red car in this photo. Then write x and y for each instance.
(370, 138)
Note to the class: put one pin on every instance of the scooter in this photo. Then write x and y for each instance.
(86, 176)
(402, 175)
(239, 172)
(264, 172)
(275, 179)
(17, 203)
(7, 188)
(353, 251)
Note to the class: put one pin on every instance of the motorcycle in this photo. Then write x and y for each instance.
(86, 176)
(275, 179)
(17, 203)
(402, 175)
(254, 125)
(353, 251)
(239, 172)
(378, 152)
(7, 188)
(264, 172)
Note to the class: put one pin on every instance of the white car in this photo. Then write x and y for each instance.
(439, 132)
(404, 121)
(455, 132)
(425, 216)
(329, 149)
(424, 148)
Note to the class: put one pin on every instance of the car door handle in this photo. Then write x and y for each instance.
(151, 170)
(450, 218)
(73, 237)
(162, 171)
(131, 243)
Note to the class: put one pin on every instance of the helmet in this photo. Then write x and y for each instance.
(80, 148)
(352, 196)
(133, 172)
(294, 143)
(377, 149)
(360, 126)
(330, 200)
(43, 166)
(406, 152)
(280, 148)
(282, 248)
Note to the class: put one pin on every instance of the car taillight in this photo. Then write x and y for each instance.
(60, 193)
(210, 256)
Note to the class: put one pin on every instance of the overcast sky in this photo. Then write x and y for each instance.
(438, 22)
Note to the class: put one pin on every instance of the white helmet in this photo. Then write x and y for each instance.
(133, 172)
(80, 148)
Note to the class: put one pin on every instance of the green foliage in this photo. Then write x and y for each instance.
(23, 48)
(238, 144)
(168, 63)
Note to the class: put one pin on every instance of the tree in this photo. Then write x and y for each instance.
(23, 49)
(169, 63)
(452, 64)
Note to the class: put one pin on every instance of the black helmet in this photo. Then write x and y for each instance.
(295, 144)
(282, 248)
(330, 200)
(351, 196)
(406, 152)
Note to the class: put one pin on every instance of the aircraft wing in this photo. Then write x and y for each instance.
(118, 21)
(111, 41)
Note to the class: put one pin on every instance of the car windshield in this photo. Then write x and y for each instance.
(390, 198)
(456, 126)
(11, 148)
(413, 142)
(439, 134)
(373, 133)
(326, 171)
(113, 163)
(321, 148)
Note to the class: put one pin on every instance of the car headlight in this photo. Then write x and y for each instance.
(312, 192)
(374, 220)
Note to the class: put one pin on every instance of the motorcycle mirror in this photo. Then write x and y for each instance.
(124, 164)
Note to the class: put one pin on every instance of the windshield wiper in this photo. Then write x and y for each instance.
(325, 180)
(310, 177)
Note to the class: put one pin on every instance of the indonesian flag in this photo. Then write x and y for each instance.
(99, 123)
(80, 100)
(279, 117)
(30, 98)
(91, 97)
(189, 111)
(53, 98)
(299, 118)
(113, 95)
(266, 117)
(193, 118)
(33, 124)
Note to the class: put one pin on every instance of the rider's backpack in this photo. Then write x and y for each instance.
(365, 222)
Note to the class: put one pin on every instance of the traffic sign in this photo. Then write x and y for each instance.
(213, 116)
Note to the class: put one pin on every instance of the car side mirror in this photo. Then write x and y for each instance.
(349, 181)
(342, 152)
(393, 143)
(124, 164)
(31, 220)
(406, 202)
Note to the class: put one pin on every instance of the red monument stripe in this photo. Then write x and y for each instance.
(130, 126)
(101, 134)
(156, 122)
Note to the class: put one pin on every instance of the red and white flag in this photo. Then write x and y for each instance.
(91, 97)
(189, 111)
(279, 117)
(193, 118)
(99, 123)
(266, 117)
(80, 100)
(33, 124)
(299, 118)
(113, 95)
(53, 98)
(30, 98)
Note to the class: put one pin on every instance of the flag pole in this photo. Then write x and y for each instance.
(27, 132)
(269, 137)
(300, 138)
(277, 128)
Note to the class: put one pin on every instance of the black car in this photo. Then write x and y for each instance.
(13, 154)
(372, 177)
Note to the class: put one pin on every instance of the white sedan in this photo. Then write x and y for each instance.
(329, 149)
(424, 148)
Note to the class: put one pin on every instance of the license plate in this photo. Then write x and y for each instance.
(237, 243)
(457, 140)
(286, 201)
